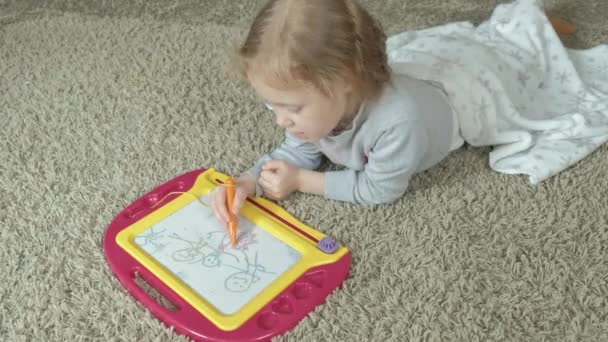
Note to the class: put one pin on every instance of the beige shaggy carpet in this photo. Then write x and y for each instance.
(101, 101)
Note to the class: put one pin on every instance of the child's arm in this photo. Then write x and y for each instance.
(311, 182)
(395, 157)
(301, 154)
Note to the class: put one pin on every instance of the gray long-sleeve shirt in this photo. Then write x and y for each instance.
(408, 129)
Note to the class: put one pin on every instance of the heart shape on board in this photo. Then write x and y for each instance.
(283, 306)
(302, 291)
(316, 278)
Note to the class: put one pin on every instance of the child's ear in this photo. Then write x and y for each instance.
(345, 85)
(352, 81)
(348, 87)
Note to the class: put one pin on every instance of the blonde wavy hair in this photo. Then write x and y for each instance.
(316, 42)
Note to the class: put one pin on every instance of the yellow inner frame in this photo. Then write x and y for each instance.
(311, 256)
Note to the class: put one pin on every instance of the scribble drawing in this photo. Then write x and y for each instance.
(200, 251)
(223, 254)
(246, 239)
(151, 238)
(203, 249)
(242, 280)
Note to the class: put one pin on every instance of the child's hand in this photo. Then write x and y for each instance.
(279, 179)
(245, 185)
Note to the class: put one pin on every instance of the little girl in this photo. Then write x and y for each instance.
(322, 66)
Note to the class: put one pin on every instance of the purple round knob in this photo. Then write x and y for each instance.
(328, 245)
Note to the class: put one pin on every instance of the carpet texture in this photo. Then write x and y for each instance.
(100, 101)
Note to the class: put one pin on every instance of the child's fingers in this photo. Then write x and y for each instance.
(269, 180)
(267, 165)
(266, 186)
(265, 175)
(214, 207)
(274, 165)
(269, 177)
(220, 204)
(272, 195)
(217, 216)
(240, 197)
(216, 211)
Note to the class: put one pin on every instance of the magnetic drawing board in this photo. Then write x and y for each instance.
(278, 272)
(194, 247)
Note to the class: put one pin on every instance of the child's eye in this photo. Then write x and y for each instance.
(294, 110)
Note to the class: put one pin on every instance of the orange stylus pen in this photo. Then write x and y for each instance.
(233, 223)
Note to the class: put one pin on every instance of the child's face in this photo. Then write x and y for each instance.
(304, 111)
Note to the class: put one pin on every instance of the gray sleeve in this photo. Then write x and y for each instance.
(293, 150)
(395, 157)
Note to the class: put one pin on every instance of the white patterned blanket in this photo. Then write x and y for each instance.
(514, 86)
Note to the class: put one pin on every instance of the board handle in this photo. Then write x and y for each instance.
(145, 297)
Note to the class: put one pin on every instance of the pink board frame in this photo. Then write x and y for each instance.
(280, 315)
